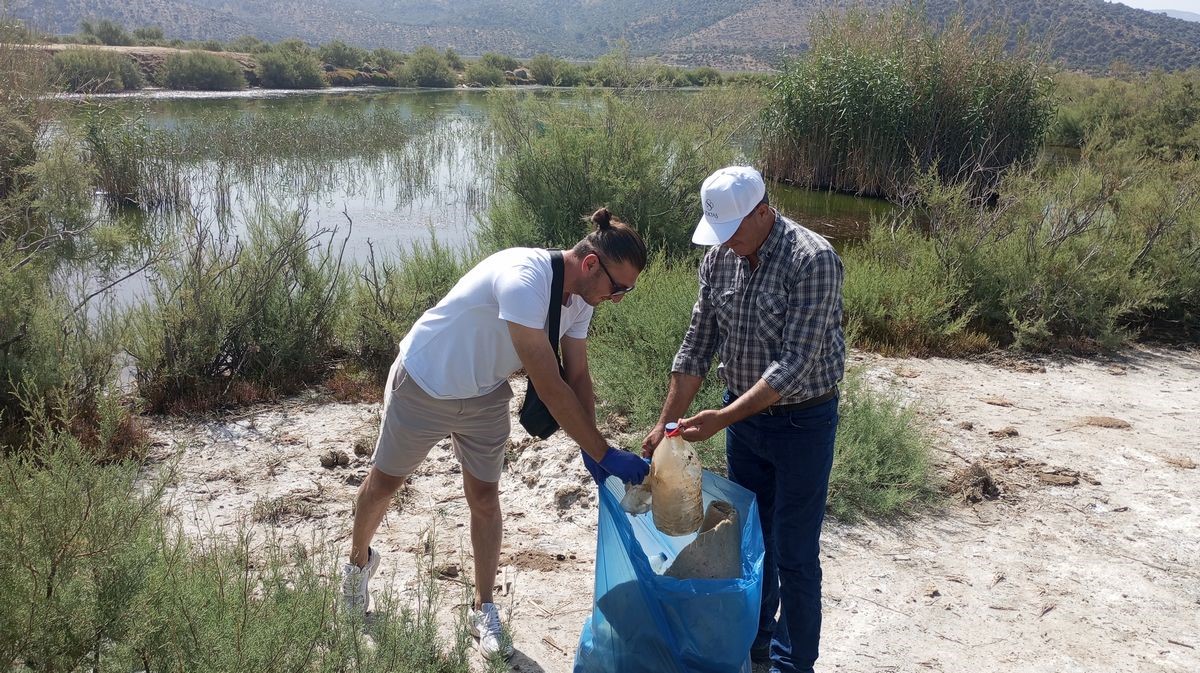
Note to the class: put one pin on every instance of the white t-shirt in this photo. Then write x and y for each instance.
(462, 348)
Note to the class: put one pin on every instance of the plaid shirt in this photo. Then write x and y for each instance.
(781, 322)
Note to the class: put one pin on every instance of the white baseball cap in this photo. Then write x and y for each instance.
(727, 197)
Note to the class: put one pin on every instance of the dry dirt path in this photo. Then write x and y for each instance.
(1088, 559)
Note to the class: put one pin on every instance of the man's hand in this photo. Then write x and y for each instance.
(621, 464)
(625, 466)
(652, 440)
(703, 425)
(597, 472)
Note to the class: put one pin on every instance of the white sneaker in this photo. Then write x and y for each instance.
(485, 625)
(355, 596)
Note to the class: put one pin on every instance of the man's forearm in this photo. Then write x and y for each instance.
(759, 397)
(680, 393)
(585, 393)
(576, 419)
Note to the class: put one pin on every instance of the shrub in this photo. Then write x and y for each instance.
(632, 346)
(211, 45)
(427, 67)
(454, 60)
(229, 324)
(248, 44)
(148, 35)
(499, 62)
(618, 69)
(641, 159)
(203, 71)
(881, 97)
(547, 69)
(900, 298)
(881, 465)
(703, 76)
(107, 32)
(388, 59)
(480, 73)
(95, 71)
(341, 55)
(97, 578)
(387, 296)
(289, 68)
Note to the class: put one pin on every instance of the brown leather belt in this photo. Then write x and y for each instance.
(781, 409)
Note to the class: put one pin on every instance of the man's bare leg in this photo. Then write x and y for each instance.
(487, 531)
(374, 496)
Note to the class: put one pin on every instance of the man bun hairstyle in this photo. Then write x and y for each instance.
(613, 240)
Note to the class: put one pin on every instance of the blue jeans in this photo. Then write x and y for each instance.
(785, 460)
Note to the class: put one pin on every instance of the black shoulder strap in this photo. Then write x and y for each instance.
(556, 292)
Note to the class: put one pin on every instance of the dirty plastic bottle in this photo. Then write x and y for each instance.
(675, 477)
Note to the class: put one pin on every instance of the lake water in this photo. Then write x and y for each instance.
(437, 181)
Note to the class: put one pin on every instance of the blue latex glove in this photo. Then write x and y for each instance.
(594, 468)
(626, 466)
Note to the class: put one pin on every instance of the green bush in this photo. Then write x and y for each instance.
(341, 55)
(633, 344)
(880, 98)
(426, 67)
(248, 44)
(481, 73)
(95, 71)
(547, 69)
(881, 462)
(107, 32)
(455, 61)
(643, 159)
(900, 298)
(618, 69)
(1156, 114)
(96, 578)
(148, 35)
(703, 76)
(388, 294)
(290, 66)
(211, 45)
(388, 59)
(499, 62)
(1074, 258)
(197, 70)
(230, 324)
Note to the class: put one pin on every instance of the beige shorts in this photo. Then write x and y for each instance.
(413, 422)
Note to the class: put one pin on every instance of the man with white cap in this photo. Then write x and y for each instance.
(770, 305)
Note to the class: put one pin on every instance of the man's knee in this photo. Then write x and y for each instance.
(482, 497)
(380, 485)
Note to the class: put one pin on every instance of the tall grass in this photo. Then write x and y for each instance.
(290, 65)
(881, 462)
(1079, 258)
(97, 578)
(234, 321)
(1157, 114)
(641, 158)
(95, 71)
(388, 294)
(203, 71)
(881, 95)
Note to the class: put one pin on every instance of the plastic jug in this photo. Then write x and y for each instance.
(675, 479)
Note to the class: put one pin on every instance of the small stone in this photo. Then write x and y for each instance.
(1007, 431)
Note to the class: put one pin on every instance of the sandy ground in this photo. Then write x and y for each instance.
(1085, 558)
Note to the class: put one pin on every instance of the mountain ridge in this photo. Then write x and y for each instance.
(1078, 34)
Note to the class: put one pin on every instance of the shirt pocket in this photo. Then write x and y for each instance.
(725, 306)
(772, 315)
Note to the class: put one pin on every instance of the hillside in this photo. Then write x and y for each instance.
(1080, 34)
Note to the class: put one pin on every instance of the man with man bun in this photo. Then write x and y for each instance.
(450, 378)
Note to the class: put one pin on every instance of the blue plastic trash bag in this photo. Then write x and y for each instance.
(645, 622)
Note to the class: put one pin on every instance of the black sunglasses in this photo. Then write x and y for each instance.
(617, 288)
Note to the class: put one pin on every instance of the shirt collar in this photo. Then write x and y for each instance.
(774, 239)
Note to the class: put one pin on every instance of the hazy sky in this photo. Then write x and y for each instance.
(1185, 5)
